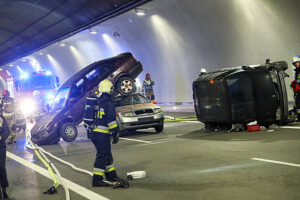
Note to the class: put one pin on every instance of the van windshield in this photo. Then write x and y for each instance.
(60, 99)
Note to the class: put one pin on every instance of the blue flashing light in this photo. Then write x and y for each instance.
(48, 73)
(24, 76)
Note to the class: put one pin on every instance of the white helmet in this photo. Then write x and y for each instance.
(105, 86)
(203, 70)
(296, 59)
(36, 93)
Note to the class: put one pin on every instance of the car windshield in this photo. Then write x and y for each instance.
(60, 99)
(130, 100)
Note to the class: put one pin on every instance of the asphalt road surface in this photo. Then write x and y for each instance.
(182, 162)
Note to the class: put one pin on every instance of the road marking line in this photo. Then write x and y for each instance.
(291, 127)
(143, 141)
(277, 162)
(73, 186)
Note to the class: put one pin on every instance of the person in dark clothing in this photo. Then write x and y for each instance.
(4, 133)
(104, 126)
(296, 85)
(147, 87)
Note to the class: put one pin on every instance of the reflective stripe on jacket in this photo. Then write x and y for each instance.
(105, 119)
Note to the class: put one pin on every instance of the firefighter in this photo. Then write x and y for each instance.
(4, 133)
(105, 126)
(39, 106)
(148, 87)
(202, 72)
(8, 110)
(296, 85)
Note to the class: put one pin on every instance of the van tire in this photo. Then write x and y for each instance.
(68, 131)
(159, 128)
(126, 86)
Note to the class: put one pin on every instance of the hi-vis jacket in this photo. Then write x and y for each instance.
(8, 107)
(104, 114)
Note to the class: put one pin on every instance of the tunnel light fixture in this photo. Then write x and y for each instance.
(11, 65)
(93, 30)
(24, 60)
(62, 44)
(140, 11)
(41, 53)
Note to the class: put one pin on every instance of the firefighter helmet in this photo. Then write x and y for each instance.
(203, 70)
(105, 86)
(5, 93)
(296, 59)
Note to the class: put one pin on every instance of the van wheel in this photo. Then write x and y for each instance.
(126, 86)
(68, 132)
(159, 128)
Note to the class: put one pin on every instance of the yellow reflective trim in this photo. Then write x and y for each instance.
(298, 111)
(101, 130)
(98, 173)
(110, 169)
(113, 126)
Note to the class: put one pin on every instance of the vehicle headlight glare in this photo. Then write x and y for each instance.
(157, 110)
(27, 106)
(128, 114)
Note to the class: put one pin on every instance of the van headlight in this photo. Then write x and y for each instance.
(157, 110)
(128, 114)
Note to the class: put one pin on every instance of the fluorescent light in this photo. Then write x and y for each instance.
(41, 53)
(93, 30)
(140, 11)
(62, 44)
(11, 65)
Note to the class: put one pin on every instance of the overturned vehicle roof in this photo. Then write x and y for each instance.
(240, 95)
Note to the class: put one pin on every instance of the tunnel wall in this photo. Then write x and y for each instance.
(176, 38)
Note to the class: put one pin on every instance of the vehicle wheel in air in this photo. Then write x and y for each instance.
(159, 128)
(126, 86)
(68, 132)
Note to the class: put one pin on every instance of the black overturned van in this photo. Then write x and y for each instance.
(240, 95)
(68, 105)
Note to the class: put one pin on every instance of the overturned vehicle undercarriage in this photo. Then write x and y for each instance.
(240, 95)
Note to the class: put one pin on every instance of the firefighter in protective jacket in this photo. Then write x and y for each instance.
(103, 127)
(147, 87)
(8, 110)
(4, 133)
(296, 85)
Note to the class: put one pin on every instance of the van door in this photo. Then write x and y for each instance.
(76, 101)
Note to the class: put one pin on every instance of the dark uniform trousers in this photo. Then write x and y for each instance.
(104, 158)
(3, 175)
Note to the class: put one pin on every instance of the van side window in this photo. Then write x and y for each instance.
(93, 74)
(78, 89)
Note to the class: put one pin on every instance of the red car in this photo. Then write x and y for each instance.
(68, 105)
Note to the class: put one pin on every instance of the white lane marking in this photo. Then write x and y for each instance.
(143, 141)
(291, 127)
(276, 162)
(73, 186)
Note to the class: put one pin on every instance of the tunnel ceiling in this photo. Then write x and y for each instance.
(29, 25)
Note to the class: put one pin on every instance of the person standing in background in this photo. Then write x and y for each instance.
(147, 87)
